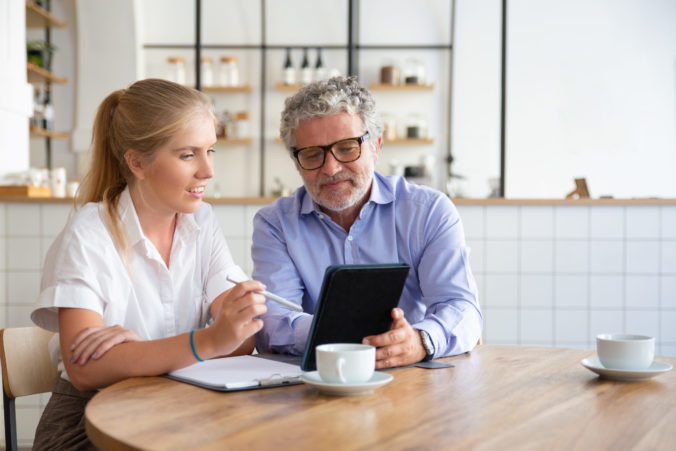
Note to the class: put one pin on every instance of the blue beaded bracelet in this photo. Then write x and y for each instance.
(192, 346)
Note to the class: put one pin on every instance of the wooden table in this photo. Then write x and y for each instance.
(496, 397)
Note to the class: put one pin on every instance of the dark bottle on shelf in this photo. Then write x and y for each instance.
(47, 112)
(320, 71)
(289, 71)
(36, 118)
(305, 70)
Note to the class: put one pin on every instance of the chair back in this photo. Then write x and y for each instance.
(27, 368)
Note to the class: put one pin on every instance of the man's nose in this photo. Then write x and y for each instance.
(331, 165)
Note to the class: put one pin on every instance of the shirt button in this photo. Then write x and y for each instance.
(349, 238)
(321, 216)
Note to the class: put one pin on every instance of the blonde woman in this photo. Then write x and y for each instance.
(140, 268)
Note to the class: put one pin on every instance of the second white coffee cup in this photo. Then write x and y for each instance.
(345, 363)
(625, 351)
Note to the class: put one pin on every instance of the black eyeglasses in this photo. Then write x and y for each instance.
(344, 151)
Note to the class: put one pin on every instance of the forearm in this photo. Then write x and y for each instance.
(140, 358)
(245, 348)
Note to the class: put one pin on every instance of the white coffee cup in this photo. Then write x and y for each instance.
(345, 363)
(625, 351)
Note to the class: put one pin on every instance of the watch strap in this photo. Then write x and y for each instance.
(427, 344)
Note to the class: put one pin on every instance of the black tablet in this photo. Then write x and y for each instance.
(355, 301)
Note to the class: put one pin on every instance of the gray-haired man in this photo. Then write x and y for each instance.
(347, 213)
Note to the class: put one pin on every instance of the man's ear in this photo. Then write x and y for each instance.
(135, 163)
(376, 148)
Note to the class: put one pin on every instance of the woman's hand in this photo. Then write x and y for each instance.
(235, 320)
(93, 342)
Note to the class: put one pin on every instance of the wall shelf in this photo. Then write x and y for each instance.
(41, 132)
(410, 141)
(241, 88)
(38, 17)
(410, 87)
(37, 74)
(235, 141)
(396, 141)
(279, 86)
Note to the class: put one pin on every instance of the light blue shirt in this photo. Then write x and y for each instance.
(294, 242)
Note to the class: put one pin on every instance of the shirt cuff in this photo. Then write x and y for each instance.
(435, 332)
(301, 330)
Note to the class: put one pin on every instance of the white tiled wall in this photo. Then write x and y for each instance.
(559, 275)
(547, 275)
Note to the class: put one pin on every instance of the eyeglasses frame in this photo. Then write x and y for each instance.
(329, 148)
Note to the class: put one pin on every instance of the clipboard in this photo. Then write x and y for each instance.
(355, 301)
(246, 372)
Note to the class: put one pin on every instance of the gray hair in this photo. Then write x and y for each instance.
(326, 98)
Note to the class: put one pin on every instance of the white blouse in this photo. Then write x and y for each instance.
(83, 269)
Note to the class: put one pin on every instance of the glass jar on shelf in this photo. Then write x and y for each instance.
(389, 73)
(176, 69)
(390, 127)
(414, 72)
(416, 126)
(241, 123)
(229, 72)
(225, 128)
(207, 70)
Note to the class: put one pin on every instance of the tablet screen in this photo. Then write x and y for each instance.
(355, 301)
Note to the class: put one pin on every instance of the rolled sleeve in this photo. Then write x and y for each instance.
(74, 295)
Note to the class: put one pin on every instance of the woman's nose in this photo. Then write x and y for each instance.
(206, 169)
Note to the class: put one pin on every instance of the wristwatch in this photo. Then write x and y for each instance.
(427, 344)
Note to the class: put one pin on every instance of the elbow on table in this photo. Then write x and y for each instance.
(81, 378)
(81, 384)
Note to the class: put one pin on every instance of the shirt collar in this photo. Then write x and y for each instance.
(382, 192)
(129, 218)
(186, 225)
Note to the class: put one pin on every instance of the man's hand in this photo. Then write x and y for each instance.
(399, 346)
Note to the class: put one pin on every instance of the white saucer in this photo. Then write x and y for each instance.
(377, 380)
(595, 365)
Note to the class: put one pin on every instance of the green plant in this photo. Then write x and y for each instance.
(40, 53)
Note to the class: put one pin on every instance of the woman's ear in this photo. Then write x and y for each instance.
(135, 163)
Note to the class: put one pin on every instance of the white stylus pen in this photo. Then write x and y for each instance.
(274, 297)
